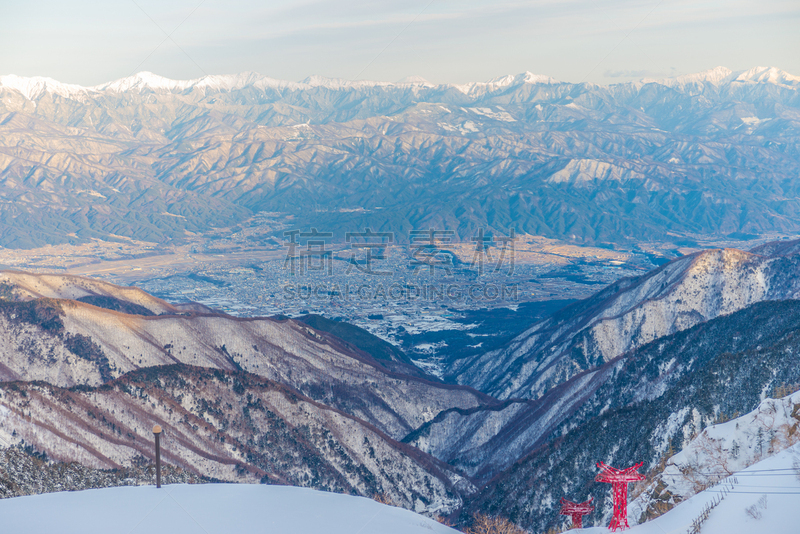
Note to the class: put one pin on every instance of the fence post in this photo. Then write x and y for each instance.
(157, 433)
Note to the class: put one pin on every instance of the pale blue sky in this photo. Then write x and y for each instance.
(93, 41)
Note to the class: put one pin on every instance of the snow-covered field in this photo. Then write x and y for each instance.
(764, 499)
(208, 509)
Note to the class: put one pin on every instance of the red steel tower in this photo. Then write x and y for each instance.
(619, 480)
(576, 510)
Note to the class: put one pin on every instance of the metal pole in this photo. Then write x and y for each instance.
(157, 432)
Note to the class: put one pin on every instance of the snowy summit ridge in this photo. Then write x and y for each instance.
(33, 88)
(722, 75)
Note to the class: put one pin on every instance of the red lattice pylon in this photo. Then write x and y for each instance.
(576, 510)
(619, 480)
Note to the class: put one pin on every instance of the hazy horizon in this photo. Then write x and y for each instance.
(443, 41)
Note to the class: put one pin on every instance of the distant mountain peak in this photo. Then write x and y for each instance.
(340, 83)
(230, 81)
(529, 77)
(768, 75)
(525, 77)
(35, 86)
(505, 81)
(415, 80)
(144, 80)
(723, 75)
(714, 76)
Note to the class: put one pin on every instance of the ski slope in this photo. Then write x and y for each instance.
(208, 509)
(775, 478)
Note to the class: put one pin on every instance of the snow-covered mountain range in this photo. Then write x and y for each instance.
(33, 87)
(150, 158)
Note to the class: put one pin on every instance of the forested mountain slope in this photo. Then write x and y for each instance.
(652, 399)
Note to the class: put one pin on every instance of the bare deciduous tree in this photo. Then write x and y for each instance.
(383, 499)
(486, 524)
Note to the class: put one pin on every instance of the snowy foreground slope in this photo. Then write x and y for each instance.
(209, 509)
(763, 499)
(748, 469)
(723, 449)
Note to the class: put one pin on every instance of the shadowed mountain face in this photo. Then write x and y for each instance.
(70, 343)
(630, 313)
(149, 158)
(485, 441)
(111, 303)
(651, 400)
